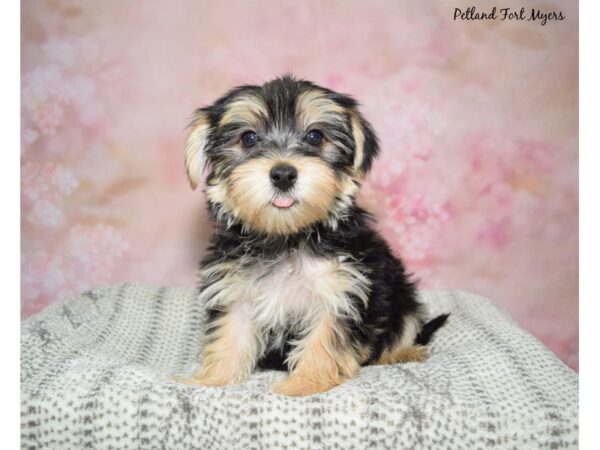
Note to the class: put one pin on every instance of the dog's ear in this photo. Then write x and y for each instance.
(197, 138)
(366, 144)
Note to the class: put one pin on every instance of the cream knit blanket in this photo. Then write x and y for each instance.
(95, 373)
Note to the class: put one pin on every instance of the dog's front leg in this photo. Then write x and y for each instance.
(320, 361)
(231, 349)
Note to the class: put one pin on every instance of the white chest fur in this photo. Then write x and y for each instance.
(290, 293)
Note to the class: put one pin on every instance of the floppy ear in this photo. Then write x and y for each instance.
(366, 144)
(195, 144)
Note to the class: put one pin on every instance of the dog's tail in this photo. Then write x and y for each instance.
(429, 328)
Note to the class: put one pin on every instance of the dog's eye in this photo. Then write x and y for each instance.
(249, 138)
(314, 137)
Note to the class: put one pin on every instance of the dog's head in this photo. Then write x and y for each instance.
(281, 156)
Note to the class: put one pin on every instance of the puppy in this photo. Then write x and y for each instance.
(296, 278)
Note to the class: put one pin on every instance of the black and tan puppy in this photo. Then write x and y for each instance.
(296, 278)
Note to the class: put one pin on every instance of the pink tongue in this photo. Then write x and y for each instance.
(283, 202)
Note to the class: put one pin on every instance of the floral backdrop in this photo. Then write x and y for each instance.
(476, 188)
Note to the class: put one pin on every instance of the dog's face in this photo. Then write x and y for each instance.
(281, 156)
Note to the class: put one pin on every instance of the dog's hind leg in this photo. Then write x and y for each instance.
(412, 346)
(414, 353)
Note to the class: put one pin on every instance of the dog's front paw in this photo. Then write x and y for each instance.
(300, 386)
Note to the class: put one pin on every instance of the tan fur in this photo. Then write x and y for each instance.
(414, 353)
(344, 198)
(321, 361)
(404, 350)
(230, 355)
(250, 194)
(312, 106)
(245, 109)
(359, 141)
(194, 148)
(251, 201)
(364, 354)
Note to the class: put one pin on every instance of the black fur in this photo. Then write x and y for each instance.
(430, 328)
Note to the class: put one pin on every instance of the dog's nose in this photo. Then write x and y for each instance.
(283, 176)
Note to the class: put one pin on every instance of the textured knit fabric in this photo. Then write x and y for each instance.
(96, 373)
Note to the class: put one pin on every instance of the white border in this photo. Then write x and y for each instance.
(589, 221)
(10, 222)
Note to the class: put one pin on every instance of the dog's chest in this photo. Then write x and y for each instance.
(288, 294)
(294, 287)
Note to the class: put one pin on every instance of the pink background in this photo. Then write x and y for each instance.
(477, 187)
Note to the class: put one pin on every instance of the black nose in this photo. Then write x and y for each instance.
(283, 176)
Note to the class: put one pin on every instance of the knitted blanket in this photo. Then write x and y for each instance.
(96, 373)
